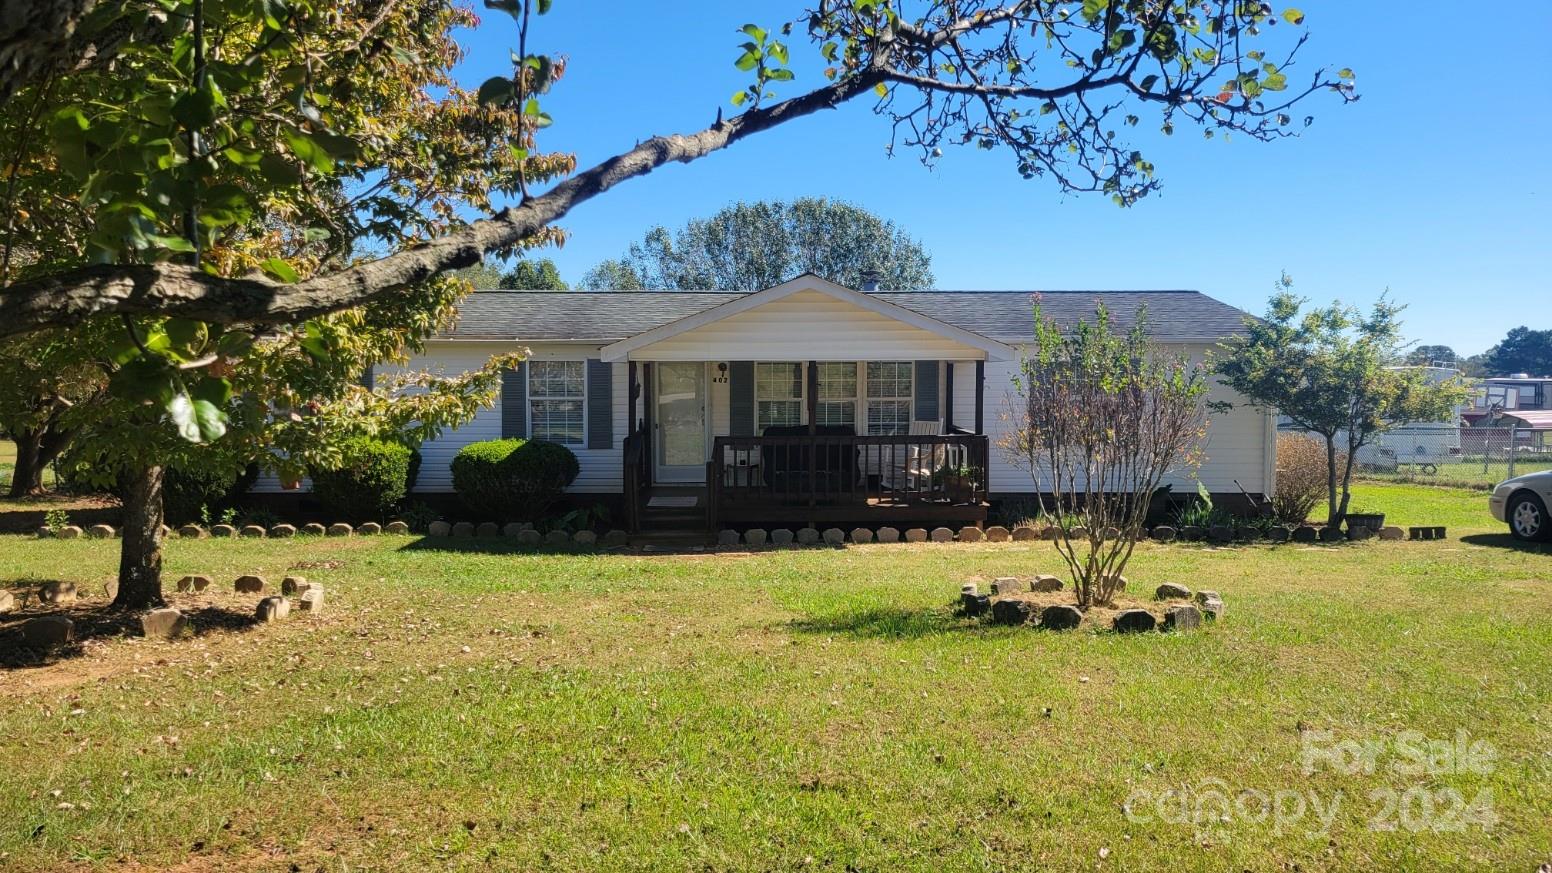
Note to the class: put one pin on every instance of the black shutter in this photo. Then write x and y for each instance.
(600, 404)
(741, 398)
(926, 388)
(514, 402)
(368, 378)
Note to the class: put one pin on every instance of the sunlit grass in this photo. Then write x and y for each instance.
(813, 709)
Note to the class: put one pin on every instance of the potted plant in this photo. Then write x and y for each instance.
(1371, 520)
(956, 484)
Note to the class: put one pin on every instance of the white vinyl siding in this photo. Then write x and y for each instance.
(807, 326)
(1238, 444)
(600, 469)
(556, 402)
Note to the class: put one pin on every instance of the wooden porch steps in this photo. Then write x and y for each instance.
(689, 520)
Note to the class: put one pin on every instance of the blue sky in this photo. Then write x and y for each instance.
(1434, 185)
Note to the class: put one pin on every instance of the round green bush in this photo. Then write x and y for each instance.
(369, 481)
(512, 479)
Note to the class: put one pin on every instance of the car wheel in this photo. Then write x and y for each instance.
(1528, 518)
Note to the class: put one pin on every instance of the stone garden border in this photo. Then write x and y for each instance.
(1184, 610)
(526, 535)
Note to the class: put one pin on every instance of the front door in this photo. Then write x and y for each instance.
(681, 421)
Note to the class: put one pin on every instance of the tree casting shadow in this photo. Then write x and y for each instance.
(888, 622)
(94, 622)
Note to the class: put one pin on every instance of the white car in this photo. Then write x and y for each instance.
(1522, 502)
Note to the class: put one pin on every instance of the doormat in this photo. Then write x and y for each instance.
(673, 501)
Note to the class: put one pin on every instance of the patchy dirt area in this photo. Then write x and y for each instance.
(94, 654)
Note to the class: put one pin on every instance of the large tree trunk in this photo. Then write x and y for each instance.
(27, 475)
(35, 450)
(1332, 516)
(1347, 479)
(140, 555)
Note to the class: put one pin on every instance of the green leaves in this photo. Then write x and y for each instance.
(309, 150)
(498, 89)
(197, 420)
(196, 109)
(1293, 16)
(767, 59)
(279, 270)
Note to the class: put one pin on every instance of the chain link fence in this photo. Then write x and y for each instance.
(1471, 457)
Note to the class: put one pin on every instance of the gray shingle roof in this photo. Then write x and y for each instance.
(1007, 316)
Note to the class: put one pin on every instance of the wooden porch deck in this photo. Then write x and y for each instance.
(818, 480)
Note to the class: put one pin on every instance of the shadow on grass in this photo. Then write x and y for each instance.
(95, 623)
(510, 546)
(888, 622)
(494, 546)
(1506, 541)
(30, 513)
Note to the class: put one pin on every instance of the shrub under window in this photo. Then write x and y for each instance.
(513, 478)
(371, 479)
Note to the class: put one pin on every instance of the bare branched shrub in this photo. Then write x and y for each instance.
(1301, 476)
(1099, 420)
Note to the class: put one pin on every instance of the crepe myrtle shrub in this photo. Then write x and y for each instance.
(368, 482)
(1301, 476)
(1098, 419)
(512, 478)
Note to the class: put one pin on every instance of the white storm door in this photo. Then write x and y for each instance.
(681, 421)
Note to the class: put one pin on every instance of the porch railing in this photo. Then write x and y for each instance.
(637, 451)
(864, 475)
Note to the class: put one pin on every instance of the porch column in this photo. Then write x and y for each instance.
(980, 396)
(948, 396)
(646, 396)
(632, 389)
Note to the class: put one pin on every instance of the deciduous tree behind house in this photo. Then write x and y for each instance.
(750, 246)
(1334, 372)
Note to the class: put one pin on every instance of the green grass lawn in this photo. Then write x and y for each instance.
(1465, 474)
(791, 710)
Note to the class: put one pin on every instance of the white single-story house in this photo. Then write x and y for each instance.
(804, 402)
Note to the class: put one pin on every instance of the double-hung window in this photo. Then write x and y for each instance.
(778, 394)
(837, 400)
(889, 397)
(555, 393)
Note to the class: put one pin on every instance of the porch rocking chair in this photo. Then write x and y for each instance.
(921, 462)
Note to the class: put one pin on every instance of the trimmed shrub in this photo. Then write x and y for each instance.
(369, 482)
(414, 471)
(513, 479)
(1301, 476)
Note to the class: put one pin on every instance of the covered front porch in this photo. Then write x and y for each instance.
(744, 443)
(807, 403)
